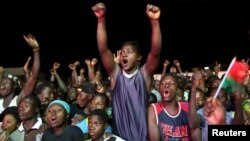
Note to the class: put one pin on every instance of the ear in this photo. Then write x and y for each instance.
(139, 57)
(90, 96)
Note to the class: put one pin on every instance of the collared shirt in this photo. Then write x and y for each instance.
(21, 135)
(12, 103)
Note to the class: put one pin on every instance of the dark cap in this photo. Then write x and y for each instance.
(88, 88)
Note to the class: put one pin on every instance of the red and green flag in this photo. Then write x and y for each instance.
(234, 76)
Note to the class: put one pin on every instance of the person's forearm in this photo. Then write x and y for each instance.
(61, 84)
(156, 38)
(102, 35)
(192, 113)
(238, 116)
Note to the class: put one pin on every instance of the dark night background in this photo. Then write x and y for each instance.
(196, 32)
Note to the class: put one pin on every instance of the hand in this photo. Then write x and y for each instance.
(117, 56)
(176, 63)
(56, 66)
(99, 10)
(77, 63)
(52, 71)
(4, 136)
(196, 79)
(166, 63)
(153, 12)
(76, 119)
(214, 111)
(94, 61)
(31, 40)
(217, 67)
(87, 62)
(72, 66)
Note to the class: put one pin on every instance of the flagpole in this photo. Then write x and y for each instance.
(225, 77)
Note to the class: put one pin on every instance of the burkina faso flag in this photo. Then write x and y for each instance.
(235, 77)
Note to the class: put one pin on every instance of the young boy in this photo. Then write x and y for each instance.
(130, 84)
(97, 124)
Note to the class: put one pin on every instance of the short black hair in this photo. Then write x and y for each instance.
(100, 113)
(104, 96)
(135, 46)
(42, 86)
(88, 88)
(35, 99)
(10, 111)
(174, 76)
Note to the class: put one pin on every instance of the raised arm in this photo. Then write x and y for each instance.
(73, 74)
(30, 85)
(60, 82)
(164, 70)
(106, 54)
(193, 118)
(153, 13)
(178, 66)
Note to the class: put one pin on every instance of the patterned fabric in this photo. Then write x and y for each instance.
(172, 127)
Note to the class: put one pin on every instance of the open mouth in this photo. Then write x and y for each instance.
(124, 61)
(53, 120)
(166, 93)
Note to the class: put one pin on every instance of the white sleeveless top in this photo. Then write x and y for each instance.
(12, 103)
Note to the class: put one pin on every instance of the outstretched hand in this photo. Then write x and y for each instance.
(56, 65)
(99, 10)
(214, 111)
(31, 40)
(117, 56)
(153, 12)
(93, 61)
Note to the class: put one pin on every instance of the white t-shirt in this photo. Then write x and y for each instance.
(12, 103)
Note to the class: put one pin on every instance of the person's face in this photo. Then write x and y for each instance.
(168, 88)
(9, 123)
(97, 102)
(46, 95)
(222, 96)
(129, 58)
(56, 115)
(72, 94)
(199, 99)
(96, 127)
(100, 88)
(216, 83)
(6, 87)
(180, 95)
(27, 109)
(83, 99)
(156, 84)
